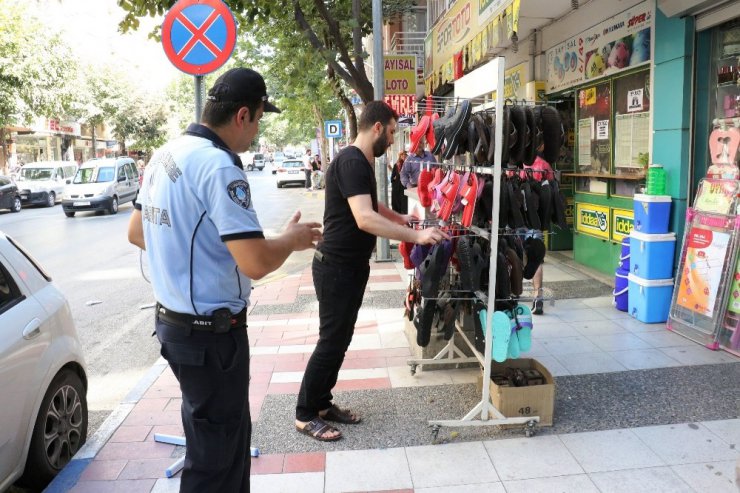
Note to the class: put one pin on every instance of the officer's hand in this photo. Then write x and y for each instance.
(430, 236)
(303, 235)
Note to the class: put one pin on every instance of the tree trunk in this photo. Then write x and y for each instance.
(94, 142)
(345, 102)
(323, 142)
(4, 167)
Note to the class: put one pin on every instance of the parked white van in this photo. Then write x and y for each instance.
(102, 184)
(44, 182)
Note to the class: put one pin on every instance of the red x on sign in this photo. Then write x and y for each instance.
(198, 36)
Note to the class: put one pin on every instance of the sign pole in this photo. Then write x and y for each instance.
(331, 149)
(198, 97)
(382, 250)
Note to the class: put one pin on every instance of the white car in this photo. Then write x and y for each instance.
(291, 171)
(43, 380)
(101, 184)
(43, 183)
(277, 161)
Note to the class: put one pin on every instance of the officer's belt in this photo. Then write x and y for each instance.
(212, 323)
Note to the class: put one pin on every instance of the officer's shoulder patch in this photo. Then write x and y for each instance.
(239, 193)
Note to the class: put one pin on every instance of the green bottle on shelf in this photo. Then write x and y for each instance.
(656, 180)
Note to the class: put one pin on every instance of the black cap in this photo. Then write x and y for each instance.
(241, 85)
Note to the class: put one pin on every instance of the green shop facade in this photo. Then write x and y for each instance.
(646, 87)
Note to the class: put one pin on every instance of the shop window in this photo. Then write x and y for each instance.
(593, 137)
(632, 97)
(726, 73)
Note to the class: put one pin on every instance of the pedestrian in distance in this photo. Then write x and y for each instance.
(353, 218)
(412, 165)
(399, 201)
(196, 220)
(308, 168)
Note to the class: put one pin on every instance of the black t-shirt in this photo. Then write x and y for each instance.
(349, 174)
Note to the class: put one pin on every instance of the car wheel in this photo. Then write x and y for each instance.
(113, 205)
(250, 167)
(51, 199)
(69, 213)
(16, 205)
(60, 429)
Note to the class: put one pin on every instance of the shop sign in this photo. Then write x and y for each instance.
(623, 221)
(619, 43)
(593, 220)
(457, 27)
(405, 106)
(428, 55)
(490, 8)
(569, 210)
(399, 74)
(515, 80)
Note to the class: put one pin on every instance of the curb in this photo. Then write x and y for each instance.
(70, 475)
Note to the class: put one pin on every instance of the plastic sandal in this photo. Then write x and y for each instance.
(469, 197)
(501, 326)
(524, 327)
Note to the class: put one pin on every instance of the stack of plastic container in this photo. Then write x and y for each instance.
(652, 249)
(621, 277)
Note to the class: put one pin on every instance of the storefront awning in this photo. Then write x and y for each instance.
(533, 15)
(678, 8)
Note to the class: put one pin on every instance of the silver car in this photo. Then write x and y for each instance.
(43, 380)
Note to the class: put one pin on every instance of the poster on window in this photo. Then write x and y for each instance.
(602, 130)
(634, 100)
(702, 270)
(619, 43)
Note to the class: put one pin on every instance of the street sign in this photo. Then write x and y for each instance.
(198, 36)
(333, 129)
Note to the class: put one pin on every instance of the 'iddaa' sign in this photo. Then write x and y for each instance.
(623, 221)
(593, 220)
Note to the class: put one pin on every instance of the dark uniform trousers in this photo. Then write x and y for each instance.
(339, 289)
(213, 372)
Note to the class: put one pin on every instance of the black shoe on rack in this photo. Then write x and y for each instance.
(537, 307)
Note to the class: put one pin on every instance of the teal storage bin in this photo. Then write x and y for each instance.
(651, 256)
(649, 300)
(652, 213)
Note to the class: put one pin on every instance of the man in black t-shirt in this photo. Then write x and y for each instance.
(341, 266)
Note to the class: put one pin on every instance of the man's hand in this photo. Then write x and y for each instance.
(430, 236)
(409, 218)
(302, 235)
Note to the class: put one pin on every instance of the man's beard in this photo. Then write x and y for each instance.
(380, 145)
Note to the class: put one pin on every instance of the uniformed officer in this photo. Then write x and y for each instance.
(203, 241)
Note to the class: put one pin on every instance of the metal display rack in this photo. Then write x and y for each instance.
(473, 86)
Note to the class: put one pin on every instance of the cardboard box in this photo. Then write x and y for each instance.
(515, 402)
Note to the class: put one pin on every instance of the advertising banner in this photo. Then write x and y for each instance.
(515, 80)
(702, 272)
(403, 104)
(619, 43)
(458, 26)
(593, 220)
(623, 222)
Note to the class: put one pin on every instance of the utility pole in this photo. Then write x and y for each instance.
(382, 250)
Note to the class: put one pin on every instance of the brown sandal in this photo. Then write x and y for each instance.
(338, 415)
(317, 428)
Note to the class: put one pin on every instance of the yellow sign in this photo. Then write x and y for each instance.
(589, 96)
(400, 74)
(593, 220)
(623, 221)
(457, 27)
(515, 80)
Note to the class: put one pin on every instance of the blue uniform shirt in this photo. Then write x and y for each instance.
(194, 197)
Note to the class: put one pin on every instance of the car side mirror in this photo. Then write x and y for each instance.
(69, 181)
(121, 178)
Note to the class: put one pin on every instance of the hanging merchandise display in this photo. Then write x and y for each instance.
(492, 195)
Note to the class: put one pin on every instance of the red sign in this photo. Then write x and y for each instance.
(199, 36)
(403, 104)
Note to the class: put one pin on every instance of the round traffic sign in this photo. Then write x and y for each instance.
(198, 36)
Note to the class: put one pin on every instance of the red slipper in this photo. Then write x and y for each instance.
(430, 131)
(449, 194)
(405, 249)
(469, 193)
(425, 178)
(418, 132)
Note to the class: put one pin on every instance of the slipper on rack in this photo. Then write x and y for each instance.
(422, 187)
(439, 177)
(519, 122)
(501, 330)
(418, 132)
(438, 128)
(449, 194)
(469, 197)
(454, 126)
(339, 415)
(479, 325)
(432, 270)
(317, 428)
(513, 351)
(458, 206)
(515, 274)
(480, 152)
(552, 134)
(449, 315)
(523, 317)
(404, 248)
(431, 140)
(530, 150)
(424, 320)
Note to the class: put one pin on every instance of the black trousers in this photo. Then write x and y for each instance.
(339, 289)
(213, 372)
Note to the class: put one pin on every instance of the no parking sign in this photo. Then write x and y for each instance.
(199, 36)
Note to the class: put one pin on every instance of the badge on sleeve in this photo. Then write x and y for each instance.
(239, 193)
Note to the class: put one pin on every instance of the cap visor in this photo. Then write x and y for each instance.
(271, 108)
